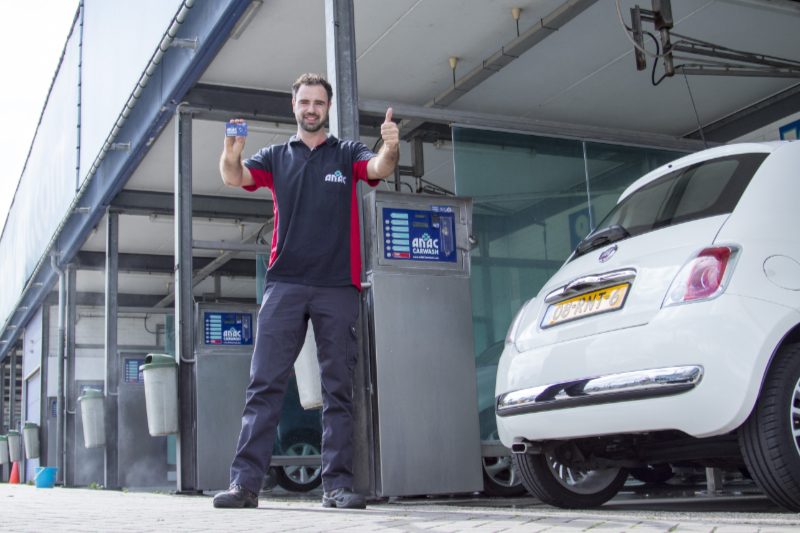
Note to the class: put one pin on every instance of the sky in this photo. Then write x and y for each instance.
(32, 36)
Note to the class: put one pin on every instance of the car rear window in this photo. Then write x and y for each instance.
(703, 190)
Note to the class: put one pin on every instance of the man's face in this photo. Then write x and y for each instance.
(311, 107)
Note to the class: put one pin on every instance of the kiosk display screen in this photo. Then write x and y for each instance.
(417, 235)
(229, 329)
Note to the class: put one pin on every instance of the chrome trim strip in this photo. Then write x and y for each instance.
(603, 389)
(589, 283)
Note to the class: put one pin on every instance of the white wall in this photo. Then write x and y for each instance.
(90, 330)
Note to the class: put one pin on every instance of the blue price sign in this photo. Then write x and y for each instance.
(411, 235)
(229, 329)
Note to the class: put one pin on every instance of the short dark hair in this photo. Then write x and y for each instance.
(312, 79)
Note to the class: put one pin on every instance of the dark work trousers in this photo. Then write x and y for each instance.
(282, 324)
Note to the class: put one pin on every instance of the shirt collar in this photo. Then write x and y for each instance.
(330, 141)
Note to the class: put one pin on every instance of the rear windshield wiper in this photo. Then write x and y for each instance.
(601, 238)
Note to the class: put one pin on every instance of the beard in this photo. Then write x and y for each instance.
(311, 128)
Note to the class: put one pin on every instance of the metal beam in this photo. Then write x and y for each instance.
(184, 308)
(340, 40)
(221, 103)
(537, 127)
(231, 246)
(163, 263)
(751, 118)
(163, 203)
(111, 385)
(503, 57)
(211, 267)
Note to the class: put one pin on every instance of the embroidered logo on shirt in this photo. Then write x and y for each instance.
(336, 177)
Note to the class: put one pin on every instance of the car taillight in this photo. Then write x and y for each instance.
(704, 276)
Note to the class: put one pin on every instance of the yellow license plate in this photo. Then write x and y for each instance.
(593, 303)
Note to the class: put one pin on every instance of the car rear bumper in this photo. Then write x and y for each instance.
(731, 339)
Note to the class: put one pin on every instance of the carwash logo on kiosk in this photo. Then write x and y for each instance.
(425, 245)
(232, 335)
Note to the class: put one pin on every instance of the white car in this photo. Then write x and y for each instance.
(670, 337)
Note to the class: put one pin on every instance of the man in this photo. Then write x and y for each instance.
(314, 273)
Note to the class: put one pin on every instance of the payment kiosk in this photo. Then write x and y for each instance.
(422, 364)
(224, 342)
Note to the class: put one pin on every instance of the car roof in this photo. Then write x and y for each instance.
(705, 155)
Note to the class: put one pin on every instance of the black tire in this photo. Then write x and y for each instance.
(593, 489)
(500, 478)
(771, 451)
(653, 473)
(299, 478)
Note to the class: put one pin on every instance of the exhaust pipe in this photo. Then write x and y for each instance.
(526, 448)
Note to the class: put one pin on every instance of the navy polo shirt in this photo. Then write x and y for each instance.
(316, 238)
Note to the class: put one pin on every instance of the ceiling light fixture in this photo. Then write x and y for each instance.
(246, 18)
(453, 63)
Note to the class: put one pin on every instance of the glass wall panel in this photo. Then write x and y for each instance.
(531, 209)
(612, 169)
(529, 197)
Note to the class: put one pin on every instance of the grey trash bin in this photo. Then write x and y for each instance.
(161, 394)
(93, 416)
(14, 451)
(30, 434)
(3, 450)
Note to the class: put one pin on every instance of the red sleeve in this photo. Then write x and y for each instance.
(360, 173)
(262, 179)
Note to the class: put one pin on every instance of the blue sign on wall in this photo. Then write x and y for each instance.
(411, 235)
(229, 329)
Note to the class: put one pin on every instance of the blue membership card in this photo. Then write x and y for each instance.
(236, 130)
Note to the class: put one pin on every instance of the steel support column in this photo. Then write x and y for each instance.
(12, 392)
(44, 400)
(69, 389)
(3, 469)
(111, 470)
(184, 310)
(60, 371)
(342, 74)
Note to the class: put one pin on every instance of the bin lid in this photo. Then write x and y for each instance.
(29, 425)
(3, 438)
(91, 394)
(155, 360)
(12, 433)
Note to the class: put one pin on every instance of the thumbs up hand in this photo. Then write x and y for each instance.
(390, 133)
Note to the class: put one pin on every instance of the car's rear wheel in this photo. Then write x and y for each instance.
(553, 482)
(770, 438)
(653, 473)
(500, 478)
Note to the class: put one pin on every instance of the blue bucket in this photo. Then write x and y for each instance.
(45, 477)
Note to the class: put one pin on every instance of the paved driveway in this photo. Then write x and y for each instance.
(26, 508)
